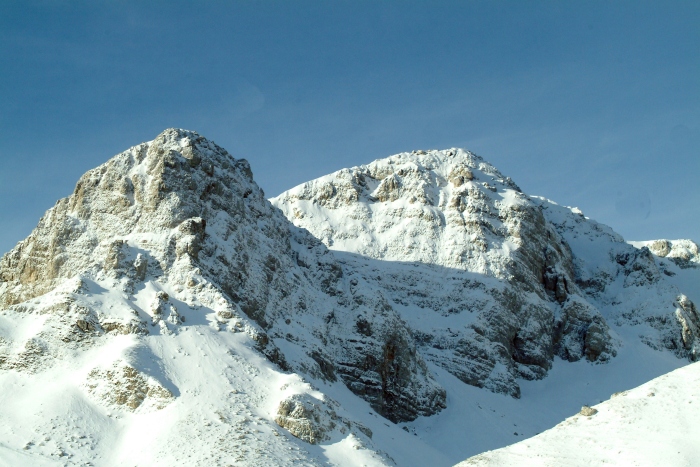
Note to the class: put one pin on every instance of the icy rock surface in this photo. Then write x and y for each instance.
(493, 283)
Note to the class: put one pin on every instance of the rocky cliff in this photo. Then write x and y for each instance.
(181, 214)
(493, 283)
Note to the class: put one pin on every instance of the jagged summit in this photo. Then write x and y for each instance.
(145, 191)
(446, 192)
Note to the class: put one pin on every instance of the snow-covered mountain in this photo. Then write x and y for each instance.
(492, 282)
(679, 260)
(165, 313)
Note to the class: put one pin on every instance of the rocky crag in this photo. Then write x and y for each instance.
(493, 283)
(182, 212)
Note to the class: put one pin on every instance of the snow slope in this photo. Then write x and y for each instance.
(224, 398)
(650, 425)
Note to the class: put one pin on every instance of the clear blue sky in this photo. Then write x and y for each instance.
(592, 104)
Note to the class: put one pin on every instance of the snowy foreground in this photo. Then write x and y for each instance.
(416, 311)
(227, 398)
(651, 425)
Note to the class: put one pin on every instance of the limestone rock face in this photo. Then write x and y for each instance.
(305, 419)
(181, 214)
(577, 316)
(488, 279)
(689, 319)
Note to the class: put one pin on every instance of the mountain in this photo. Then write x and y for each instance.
(493, 283)
(166, 313)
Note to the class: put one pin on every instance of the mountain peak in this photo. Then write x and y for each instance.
(148, 189)
(442, 189)
(178, 228)
(455, 218)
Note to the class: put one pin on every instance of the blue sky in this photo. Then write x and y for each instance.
(591, 104)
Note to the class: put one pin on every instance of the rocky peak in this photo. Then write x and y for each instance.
(156, 188)
(179, 220)
(441, 207)
(451, 225)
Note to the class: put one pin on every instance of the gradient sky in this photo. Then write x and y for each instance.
(592, 104)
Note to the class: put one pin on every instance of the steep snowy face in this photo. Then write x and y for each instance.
(176, 224)
(635, 289)
(490, 287)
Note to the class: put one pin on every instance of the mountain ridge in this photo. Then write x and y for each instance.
(169, 253)
(452, 208)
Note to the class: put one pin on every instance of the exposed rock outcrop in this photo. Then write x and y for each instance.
(123, 386)
(314, 420)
